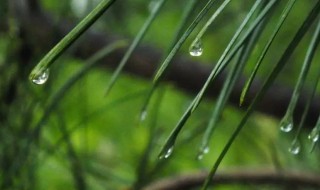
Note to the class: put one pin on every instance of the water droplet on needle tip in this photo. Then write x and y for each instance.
(295, 147)
(42, 78)
(202, 152)
(286, 124)
(167, 154)
(314, 135)
(196, 48)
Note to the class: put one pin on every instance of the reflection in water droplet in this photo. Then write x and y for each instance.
(286, 124)
(295, 147)
(196, 48)
(314, 134)
(203, 151)
(167, 154)
(42, 78)
(200, 156)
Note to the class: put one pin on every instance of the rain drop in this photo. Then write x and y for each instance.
(200, 156)
(295, 147)
(196, 48)
(202, 152)
(314, 135)
(286, 124)
(42, 78)
(167, 154)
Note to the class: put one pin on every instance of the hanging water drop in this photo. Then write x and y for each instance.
(203, 151)
(42, 78)
(286, 124)
(196, 48)
(314, 134)
(295, 147)
(167, 153)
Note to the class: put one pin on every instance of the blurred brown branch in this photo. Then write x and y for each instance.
(292, 180)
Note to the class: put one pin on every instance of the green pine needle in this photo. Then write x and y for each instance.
(269, 81)
(71, 37)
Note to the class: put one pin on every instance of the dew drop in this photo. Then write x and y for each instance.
(286, 124)
(196, 48)
(166, 154)
(200, 156)
(314, 135)
(42, 78)
(203, 151)
(295, 147)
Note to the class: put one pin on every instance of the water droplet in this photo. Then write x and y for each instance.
(143, 115)
(295, 147)
(196, 48)
(314, 134)
(200, 156)
(203, 151)
(167, 154)
(42, 78)
(286, 124)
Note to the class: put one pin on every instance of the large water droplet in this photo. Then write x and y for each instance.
(314, 134)
(196, 48)
(203, 151)
(295, 147)
(42, 78)
(167, 153)
(286, 124)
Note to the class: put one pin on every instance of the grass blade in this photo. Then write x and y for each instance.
(226, 56)
(56, 97)
(266, 48)
(298, 87)
(277, 69)
(156, 9)
(209, 22)
(174, 134)
(186, 15)
(179, 43)
(232, 77)
(308, 60)
(34, 134)
(72, 36)
(142, 174)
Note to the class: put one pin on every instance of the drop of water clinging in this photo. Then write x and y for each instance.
(167, 154)
(295, 147)
(196, 48)
(203, 151)
(314, 134)
(42, 78)
(286, 124)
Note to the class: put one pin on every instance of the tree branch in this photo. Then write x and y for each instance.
(186, 74)
(255, 177)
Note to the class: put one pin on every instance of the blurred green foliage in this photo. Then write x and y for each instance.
(104, 132)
